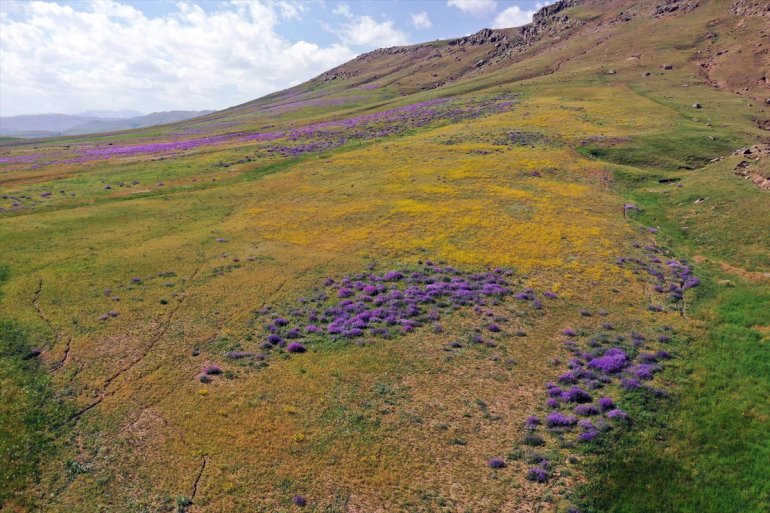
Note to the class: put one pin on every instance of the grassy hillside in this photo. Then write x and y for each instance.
(550, 222)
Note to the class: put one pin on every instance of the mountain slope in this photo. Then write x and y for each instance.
(475, 255)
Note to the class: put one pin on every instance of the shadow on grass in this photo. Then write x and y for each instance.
(707, 450)
(28, 409)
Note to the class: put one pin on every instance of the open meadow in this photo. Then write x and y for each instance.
(535, 288)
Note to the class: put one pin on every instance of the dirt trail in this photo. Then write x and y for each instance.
(58, 335)
(194, 492)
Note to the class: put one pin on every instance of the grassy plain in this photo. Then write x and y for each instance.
(403, 424)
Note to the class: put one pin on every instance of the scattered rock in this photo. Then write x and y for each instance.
(753, 165)
(667, 66)
(671, 6)
(750, 8)
(33, 353)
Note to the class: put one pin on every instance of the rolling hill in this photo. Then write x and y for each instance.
(523, 270)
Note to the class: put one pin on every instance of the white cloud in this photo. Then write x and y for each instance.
(108, 55)
(342, 10)
(477, 8)
(366, 31)
(290, 10)
(513, 16)
(420, 20)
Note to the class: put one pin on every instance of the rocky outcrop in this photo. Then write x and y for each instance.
(672, 6)
(755, 165)
(544, 15)
(488, 45)
(547, 22)
(750, 8)
(482, 37)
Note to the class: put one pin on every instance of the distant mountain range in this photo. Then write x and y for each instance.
(89, 122)
(122, 114)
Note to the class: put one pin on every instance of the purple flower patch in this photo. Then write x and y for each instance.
(606, 403)
(496, 462)
(532, 422)
(586, 410)
(617, 414)
(613, 361)
(643, 371)
(537, 474)
(212, 370)
(558, 419)
(576, 395)
(392, 276)
(296, 347)
(647, 357)
(630, 383)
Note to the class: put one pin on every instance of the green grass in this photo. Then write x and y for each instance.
(707, 448)
(27, 411)
(684, 149)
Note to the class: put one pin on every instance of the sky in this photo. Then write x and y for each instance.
(157, 55)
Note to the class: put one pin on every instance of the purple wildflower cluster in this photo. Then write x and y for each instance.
(384, 305)
(17, 159)
(496, 462)
(539, 473)
(311, 138)
(603, 360)
(172, 146)
(392, 122)
(595, 367)
(672, 277)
